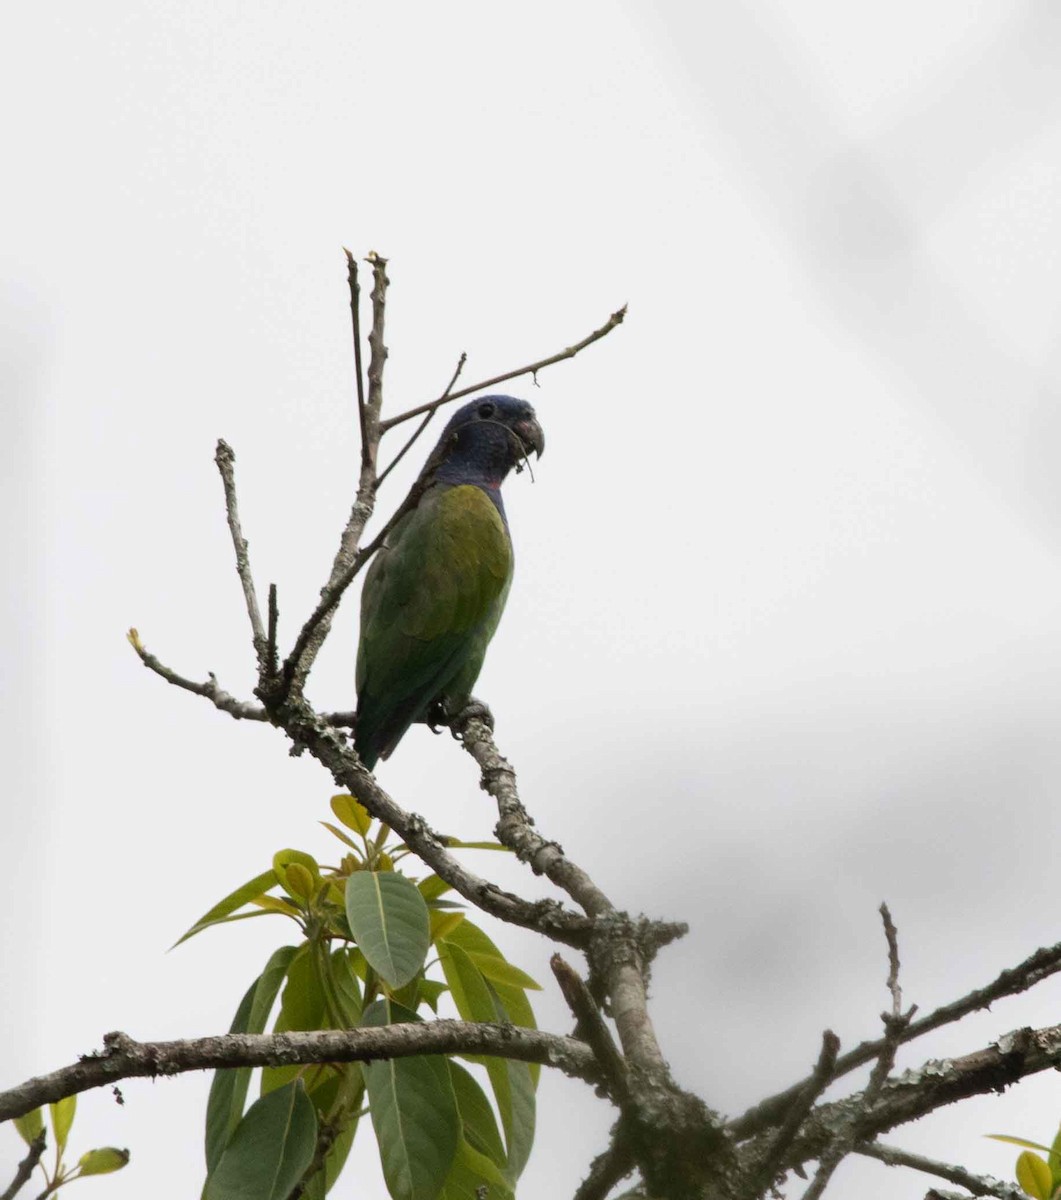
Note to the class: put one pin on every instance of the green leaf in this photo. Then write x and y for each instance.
(352, 814)
(297, 873)
(62, 1115)
(228, 1091)
(470, 1171)
(301, 1008)
(342, 837)
(512, 1082)
(517, 1007)
(1054, 1160)
(30, 1124)
(432, 887)
(430, 990)
(270, 1151)
(1034, 1176)
(103, 1161)
(499, 970)
(414, 1115)
(443, 923)
(389, 920)
(1016, 1141)
(244, 894)
(477, 1117)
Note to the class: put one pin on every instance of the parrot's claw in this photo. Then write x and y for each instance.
(474, 710)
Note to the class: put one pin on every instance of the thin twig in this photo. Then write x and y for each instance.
(1041, 965)
(423, 424)
(605, 1172)
(347, 560)
(355, 319)
(817, 1082)
(533, 368)
(933, 1085)
(27, 1166)
(896, 1022)
(240, 709)
(274, 616)
(124, 1058)
(591, 1028)
(978, 1185)
(225, 458)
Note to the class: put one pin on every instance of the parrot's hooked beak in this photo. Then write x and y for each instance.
(530, 433)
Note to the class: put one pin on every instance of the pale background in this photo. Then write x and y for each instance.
(785, 637)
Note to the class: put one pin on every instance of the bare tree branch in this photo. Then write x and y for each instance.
(226, 460)
(423, 424)
(817, 1082)
(242, 710)
(978, 1185)
(937, 1083)
(1044, 963)
(355, 321)
(27, 1166)
(624, 967)
(531, 369)
(124, 1058)
(895, 1022)
(605, 1172)
(299, 662)
(591, 1028)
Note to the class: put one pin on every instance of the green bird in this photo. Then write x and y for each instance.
(436, 589)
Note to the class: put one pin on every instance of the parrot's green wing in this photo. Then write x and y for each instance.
(431, 602)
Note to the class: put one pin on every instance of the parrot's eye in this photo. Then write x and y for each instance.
(486, 410)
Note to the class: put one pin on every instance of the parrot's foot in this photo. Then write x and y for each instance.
(474, 710)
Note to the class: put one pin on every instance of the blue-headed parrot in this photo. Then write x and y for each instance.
(435, 590)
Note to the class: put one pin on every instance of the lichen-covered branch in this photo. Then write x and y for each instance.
(935, 1084)
(124, 1058)
(226, 464)
(1041, 965)
(977, 1185)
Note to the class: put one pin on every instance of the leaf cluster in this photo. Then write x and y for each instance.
(377, 947)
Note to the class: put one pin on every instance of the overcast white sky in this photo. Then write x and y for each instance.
(785, 637)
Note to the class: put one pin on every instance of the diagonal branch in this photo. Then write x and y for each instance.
(355, 322)
(124, 1058)
(895, 1022)
(423, 424)
(26, 1166)
(606, 1171)
(935, 1084)
(1044, 963)
(225, 458)
(817, 1082)
(319, 733)
(978, 1185)
(531, 369)
(347, 561)
(242, 710)
(616, 949)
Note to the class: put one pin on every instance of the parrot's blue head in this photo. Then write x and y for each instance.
(485, 439)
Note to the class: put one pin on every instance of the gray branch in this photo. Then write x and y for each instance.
(124, 1058)
(26, 1167)
(935, 1084)
(226, 460)
(530, 369)
(978, 1185)
(1041, 965)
